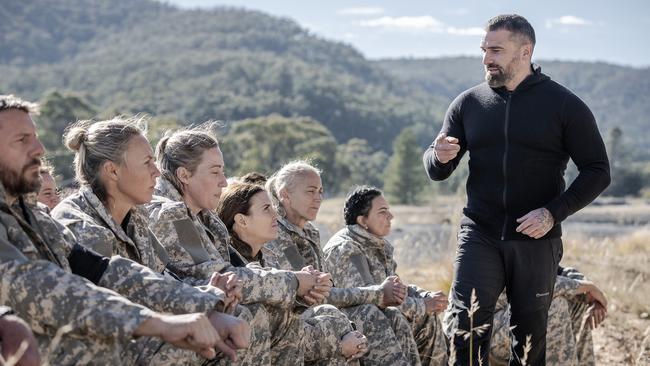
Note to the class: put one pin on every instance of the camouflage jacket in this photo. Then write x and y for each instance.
(84, 215)
(355, 257)
(35, 280)
(198, 246)
(297, 248)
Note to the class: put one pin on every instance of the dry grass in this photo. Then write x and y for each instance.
(616, 259)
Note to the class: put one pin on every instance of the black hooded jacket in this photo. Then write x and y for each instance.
(519, 144)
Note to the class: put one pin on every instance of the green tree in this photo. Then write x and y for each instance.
(264, 144)
(404, 176)
(58, 110)
(358, 164)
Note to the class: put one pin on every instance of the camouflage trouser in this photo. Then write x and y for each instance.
(430, 340)
(73, 351)
(259, 350)
(324, 326)
(390, 340)
(143, 351)
(286, 337)
(568, 342)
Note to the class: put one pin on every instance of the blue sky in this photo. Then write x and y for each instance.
(596, 30)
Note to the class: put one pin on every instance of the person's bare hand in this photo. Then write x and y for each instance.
(592, 293)
(306, 282)
(445, 148)
(400, 290)
(189, 331)
(436, 302)
(596, 315)
(354, 345)
(230, 284)
(394, 292)
(235, 333)
(234, 291)
(321, 289)
(536, 223)
(13, 333)
(309, 269)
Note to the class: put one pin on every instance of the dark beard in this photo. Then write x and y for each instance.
(506, 73)
(497, 80)
(18, 184)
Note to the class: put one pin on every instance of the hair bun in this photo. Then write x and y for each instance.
(76, 135)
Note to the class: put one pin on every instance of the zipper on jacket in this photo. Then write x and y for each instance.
(505, 172)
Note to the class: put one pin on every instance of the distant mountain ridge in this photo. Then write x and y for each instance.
(618, 96)
(129, 56)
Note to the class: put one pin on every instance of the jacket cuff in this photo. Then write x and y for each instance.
(558, 210)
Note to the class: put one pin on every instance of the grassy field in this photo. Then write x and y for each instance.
(609, 242)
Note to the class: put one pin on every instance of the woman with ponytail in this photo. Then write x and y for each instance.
(115, 166)
(182, 216)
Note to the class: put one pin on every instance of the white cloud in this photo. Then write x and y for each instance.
(425, 22)
(471, 31)
(568, 20)
(361, 10)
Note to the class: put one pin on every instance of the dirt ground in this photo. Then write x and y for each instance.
(609, 242)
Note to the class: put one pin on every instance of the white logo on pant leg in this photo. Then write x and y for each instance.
(542, 295)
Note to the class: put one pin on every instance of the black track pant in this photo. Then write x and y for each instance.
(527, 270)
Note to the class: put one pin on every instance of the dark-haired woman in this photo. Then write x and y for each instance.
(297, 192)
(359, 255)
(247, 212)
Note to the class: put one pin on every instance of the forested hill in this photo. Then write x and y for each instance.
(128, 56)
(618, 96)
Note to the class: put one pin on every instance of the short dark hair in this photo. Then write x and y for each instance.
(359, 202)
(10, 101)
(254, 178)
(516, 24)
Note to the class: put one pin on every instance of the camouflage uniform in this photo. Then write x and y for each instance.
(85, 215)
(35, 281)
(323, 325)
(296, 248)
(198, 247)
(568, 340)
(355, 257)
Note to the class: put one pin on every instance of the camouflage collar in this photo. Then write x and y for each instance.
(96, 205)
(309, 232)
(166, 189)
(31, 199)
(245, 250)
(367, 236)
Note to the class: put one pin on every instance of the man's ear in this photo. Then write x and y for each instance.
(527, 50)
(183, 175)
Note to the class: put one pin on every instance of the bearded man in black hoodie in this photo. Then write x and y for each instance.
(520, 129)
